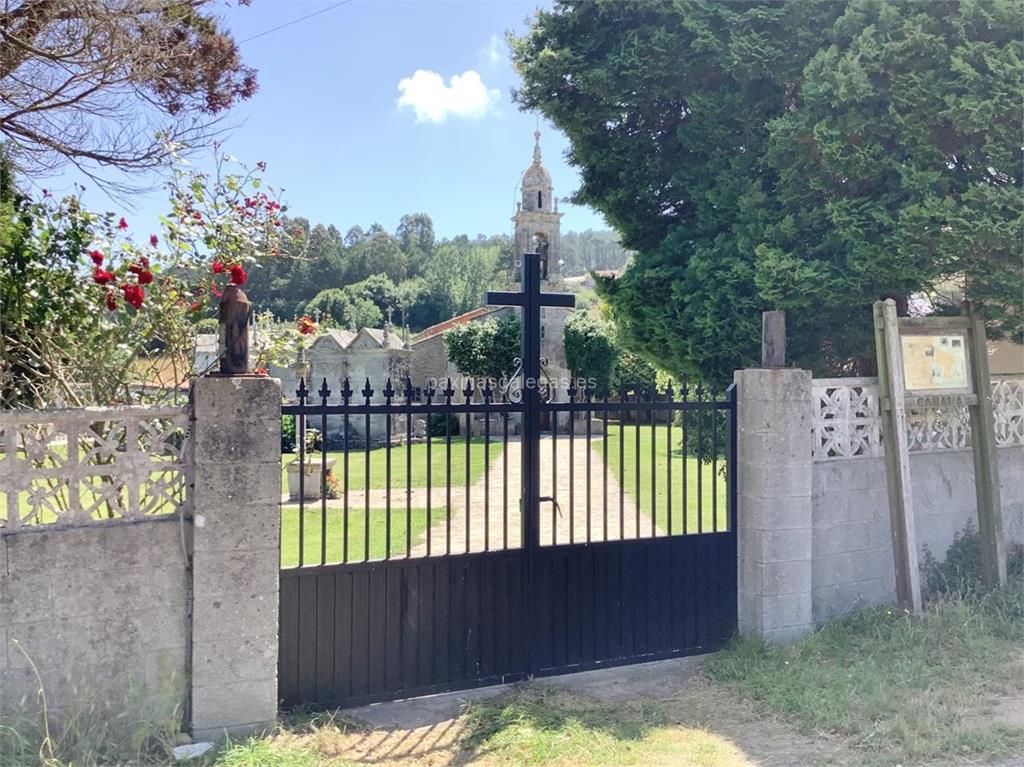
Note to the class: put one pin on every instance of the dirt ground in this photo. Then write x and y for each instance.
(704, 724)
(431, 731)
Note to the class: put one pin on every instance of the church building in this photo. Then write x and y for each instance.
(537, 224)
(537, 220)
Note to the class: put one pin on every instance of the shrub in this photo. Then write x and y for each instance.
(590, 351)
(960, 571)
(436, 428)
(288, 434)
(208, 325)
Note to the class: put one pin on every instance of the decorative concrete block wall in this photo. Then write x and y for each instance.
(130, 589)
(814, 532)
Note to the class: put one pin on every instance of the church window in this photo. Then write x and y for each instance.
(539, 203)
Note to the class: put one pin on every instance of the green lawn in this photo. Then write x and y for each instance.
(312, 528)
(416, 454)
(705, 482)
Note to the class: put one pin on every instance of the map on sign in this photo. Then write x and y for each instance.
(935, 362)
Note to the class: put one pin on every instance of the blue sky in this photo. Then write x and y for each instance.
(328, 123)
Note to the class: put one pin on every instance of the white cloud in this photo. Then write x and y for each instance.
(493, 51)
(465, 95)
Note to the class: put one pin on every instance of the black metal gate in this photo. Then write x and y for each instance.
(464, 546)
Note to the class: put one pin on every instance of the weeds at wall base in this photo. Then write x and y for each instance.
(86, 728)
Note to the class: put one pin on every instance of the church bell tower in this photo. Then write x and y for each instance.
(537, 219)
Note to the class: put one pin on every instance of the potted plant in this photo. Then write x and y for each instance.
(311, 471)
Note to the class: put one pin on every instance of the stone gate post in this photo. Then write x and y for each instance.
(774, 525)
(236, 558)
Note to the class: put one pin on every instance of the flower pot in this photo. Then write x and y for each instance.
(311, 478)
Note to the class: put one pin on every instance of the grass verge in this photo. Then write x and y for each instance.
(902, 688)
(538, 726)
(415, 454)
(530, 727)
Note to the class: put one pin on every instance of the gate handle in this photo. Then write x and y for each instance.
(552, 500)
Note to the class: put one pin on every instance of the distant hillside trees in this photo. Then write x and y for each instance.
(589, 250)
(342, 276)
(344, 308)
(424, 280)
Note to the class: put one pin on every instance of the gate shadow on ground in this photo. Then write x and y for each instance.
(617, 716)
(536, 725)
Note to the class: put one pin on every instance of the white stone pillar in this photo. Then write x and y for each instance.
(774, 412)
(235, 568)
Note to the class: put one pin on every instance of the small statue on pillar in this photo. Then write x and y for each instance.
(235, 319)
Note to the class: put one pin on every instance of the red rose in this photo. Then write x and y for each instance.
(216, 291)
(195, 306)
(122, 224)
(306, 326)
(218, 267)
(197, 216)
(153, 240)
(102, 276)
(111, 301)
(97, 257)
(145, 277)
(144, 261)
(260, 371)
(133, 294)
(238, 275)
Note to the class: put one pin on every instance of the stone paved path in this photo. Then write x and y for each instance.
(486, 518)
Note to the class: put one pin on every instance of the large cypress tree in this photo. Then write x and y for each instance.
(811, 156)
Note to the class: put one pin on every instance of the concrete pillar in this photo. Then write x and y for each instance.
(236, 501)
(774, 472)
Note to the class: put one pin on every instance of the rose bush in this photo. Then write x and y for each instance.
(93, 312)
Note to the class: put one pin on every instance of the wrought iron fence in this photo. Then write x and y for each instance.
(388, 472)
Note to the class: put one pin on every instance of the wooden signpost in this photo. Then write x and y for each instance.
(936, 362)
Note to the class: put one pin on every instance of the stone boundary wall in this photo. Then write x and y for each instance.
(101, 612)
(814, 536)
(852, 545)
(150, 593)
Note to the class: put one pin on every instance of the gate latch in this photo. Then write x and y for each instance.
(544, 498)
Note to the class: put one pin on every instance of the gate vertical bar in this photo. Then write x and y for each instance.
(531, 300)
(531, 436)
(531, 401)
(733, 462)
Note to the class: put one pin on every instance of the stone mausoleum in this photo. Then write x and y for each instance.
(374, 354)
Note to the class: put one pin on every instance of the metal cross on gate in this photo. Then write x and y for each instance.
(531, 299)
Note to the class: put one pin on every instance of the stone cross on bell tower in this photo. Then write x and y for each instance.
(537, 220)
